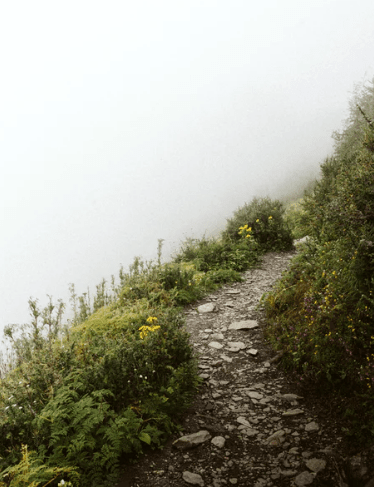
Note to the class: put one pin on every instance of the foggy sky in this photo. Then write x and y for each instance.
(123, 122)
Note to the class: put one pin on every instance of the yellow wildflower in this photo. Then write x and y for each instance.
(151, 319)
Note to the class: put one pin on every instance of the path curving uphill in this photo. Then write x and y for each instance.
(248, 425)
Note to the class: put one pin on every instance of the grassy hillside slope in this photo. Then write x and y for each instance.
(322, 312)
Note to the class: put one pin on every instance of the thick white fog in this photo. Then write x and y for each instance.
(122, 122)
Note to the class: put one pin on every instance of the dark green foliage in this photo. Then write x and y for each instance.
(322, 312)
(213, 254)
(222, 276)
(268, 227)
(103, 392)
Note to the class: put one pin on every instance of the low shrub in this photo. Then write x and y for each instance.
(116, 382)
(264, 217)
(214, 254)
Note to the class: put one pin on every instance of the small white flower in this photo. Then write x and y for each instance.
(141, 376)
(20, 382)
(14, 405)
(6, 408)
(145, 377)
(20, 407)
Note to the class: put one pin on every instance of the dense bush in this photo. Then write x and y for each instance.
(322, 312)
(117, 381)
(265, 218)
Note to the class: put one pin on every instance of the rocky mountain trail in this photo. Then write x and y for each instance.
(250, 425)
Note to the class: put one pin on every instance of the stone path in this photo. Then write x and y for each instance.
(248, 426)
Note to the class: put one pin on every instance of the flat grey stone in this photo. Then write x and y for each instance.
(305, 478)
(216, 345)
(276, 438)
(216, 363)
(294, 450)
(252, 351)
(193, 478)
(243, 421)
(316, 464)
(218, 441)
(254, 395)
(236, 345)
(190, 441)
(243, 325)
(289, 397)
(313, 426)
(217, 336)
(288, 473)
(226, 359)
(249, 431)
(236, 398)
(293, 412)
(206, 308)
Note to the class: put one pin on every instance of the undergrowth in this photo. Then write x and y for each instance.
(321, 314)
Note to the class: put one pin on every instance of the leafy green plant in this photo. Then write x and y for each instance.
(214, 254)
(268, 227)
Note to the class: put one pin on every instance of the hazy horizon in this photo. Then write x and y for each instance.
(126, 122)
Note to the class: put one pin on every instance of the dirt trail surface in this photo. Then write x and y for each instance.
(248, 426)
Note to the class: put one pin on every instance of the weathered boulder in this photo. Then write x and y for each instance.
(206, 308)
(243, 325)
(193, 478)
(190, 441)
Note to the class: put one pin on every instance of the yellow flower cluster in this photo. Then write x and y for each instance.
(151, 319)
(246, 229)
(145, 329)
